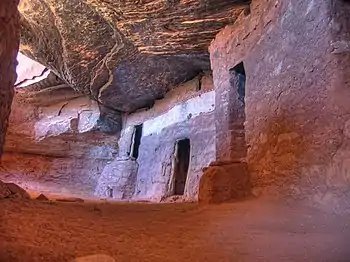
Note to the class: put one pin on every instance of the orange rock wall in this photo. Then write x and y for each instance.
(9, 44)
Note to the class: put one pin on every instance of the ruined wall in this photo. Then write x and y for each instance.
(56, 149)
(297, 62)
(186, 112)
(9, 44)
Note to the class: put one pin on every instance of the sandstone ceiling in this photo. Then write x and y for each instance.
(124, 53)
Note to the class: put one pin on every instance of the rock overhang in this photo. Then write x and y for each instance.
(124, 54)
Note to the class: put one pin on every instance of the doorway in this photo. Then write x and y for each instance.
(182, 154)
(136, 141)
(237, 112)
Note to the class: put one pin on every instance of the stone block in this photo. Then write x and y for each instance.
(222, 183)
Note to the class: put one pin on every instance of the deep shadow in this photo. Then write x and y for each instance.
(182, 164)
(136, 141)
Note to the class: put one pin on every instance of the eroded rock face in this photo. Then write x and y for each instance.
(11, 190)
(297, 98)
(4, 191)
(125, 54)
(9, 44)
(222, 182)
(56, 149)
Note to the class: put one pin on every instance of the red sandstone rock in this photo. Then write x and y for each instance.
(17, 191)
(9, 44)
(70, 199)
(95, 258)
(10, 190)
(42, 197)
(4, 191)
(137, 56)
(224, 183)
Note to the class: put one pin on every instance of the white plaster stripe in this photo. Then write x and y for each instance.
(204, 103)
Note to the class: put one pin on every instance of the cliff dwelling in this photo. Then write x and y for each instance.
(198, 130)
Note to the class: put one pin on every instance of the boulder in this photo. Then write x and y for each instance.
(17, 191)
(11, 190)
(4, 191)
(223, 183)
(42, 197)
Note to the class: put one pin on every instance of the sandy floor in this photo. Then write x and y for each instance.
(247, 231)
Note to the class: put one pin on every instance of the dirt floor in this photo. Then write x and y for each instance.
(252, 230)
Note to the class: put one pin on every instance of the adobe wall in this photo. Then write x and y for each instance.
(185, 112)
(297, 61)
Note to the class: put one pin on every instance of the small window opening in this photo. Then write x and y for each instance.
(238, 74)
(200, 79)
(136, 141)
(199, 87)
(182, 153)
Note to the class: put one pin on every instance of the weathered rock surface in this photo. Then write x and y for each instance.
(224, 182)
(70, 200)
(63, 129)
(42, 197)
(118, 179)
(4, 191)
(54, 144)
(297, 97)
(125, 54)
(17, 191)
(9, 44)
(95, 258)
(11, 190)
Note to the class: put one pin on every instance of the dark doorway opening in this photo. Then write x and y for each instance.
(237, 112)
(238, 80)
(182, 151)
(136, 141)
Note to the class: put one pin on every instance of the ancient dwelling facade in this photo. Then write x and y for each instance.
(162, 150)
(281, 113)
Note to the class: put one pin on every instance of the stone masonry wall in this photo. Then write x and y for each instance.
(9, 44)
(186, 112)
(297, 62)
(157, 152)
